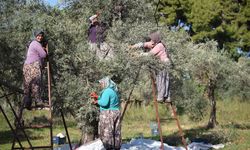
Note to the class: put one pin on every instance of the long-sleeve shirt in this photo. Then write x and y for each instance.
(160, 51)
(35, 53)
(92, 33)
(109, 100)
(96, 33)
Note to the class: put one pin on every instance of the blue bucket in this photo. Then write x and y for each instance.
(57, 140)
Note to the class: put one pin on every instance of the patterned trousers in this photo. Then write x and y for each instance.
(163, 85)
(32, 82)
(103, 51)
(110, 129)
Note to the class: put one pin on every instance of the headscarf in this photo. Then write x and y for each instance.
(155, 37)
(93, 17)
(108, 83)
(37, 32)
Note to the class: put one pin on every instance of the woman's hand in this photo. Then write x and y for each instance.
(93, 95)
(94, 101)
(149, 44)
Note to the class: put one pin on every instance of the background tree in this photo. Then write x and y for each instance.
(211, 72)
(224, 21)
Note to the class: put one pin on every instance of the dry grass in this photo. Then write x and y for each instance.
(233, 129)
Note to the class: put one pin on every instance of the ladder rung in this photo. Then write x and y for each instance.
(36, 126)
(40, 106)
(168, 119)
(34, 147)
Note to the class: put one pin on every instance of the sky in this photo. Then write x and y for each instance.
(51, 2)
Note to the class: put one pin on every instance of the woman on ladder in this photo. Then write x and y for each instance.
(32, 70)
(159, 50)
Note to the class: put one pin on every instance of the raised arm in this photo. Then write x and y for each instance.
(142, 45)
(137, 45)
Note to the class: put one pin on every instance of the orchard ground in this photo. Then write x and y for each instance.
(233, 129)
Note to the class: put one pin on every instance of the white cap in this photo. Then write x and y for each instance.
(60, 135)
(92, 17)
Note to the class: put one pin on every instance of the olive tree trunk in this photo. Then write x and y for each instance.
(211, 95)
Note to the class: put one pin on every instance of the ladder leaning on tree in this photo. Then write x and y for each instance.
(156, 111)
(19, 126)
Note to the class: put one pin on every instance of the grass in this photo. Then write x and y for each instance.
(233, 130)
(39, 137)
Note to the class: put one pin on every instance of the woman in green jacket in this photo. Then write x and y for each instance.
(109, 122)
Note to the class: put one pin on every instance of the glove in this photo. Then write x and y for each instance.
(144, 54)
(137, 45)
(94, 95)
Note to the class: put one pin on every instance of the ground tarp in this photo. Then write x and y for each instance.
(147, 144)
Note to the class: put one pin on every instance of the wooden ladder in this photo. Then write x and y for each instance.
(156, 110)
(19, 126)
(174, 115)
(49, 124)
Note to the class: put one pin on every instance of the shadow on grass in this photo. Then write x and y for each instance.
(6, 137)
(243, 126)
(201, 134)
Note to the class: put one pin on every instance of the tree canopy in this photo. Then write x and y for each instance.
(200, 71)
(227, 22)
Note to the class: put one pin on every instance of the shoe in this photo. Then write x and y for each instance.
(27, 103)
(167, 100)
(160, 100)
(46, 101)
(41, 104)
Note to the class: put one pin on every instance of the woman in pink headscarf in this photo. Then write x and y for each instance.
(159, 50)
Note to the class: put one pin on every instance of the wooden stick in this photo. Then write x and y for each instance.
(130, 93)
(156, 110)
(49, 97)
(178, 125)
